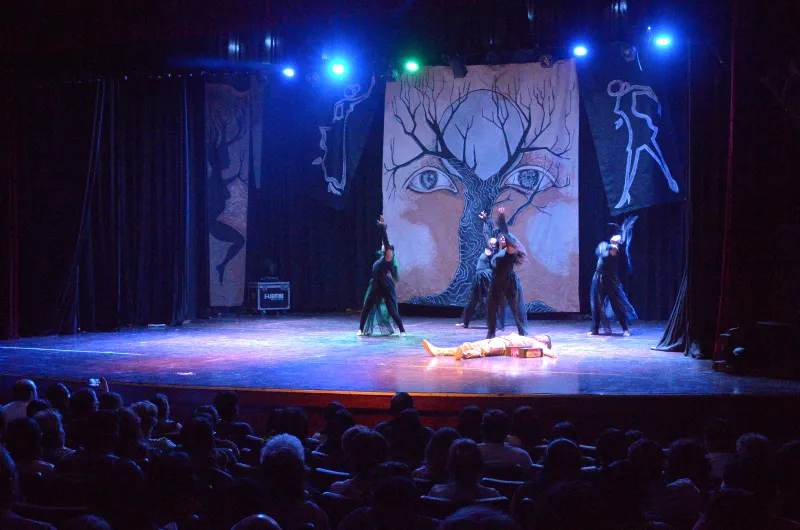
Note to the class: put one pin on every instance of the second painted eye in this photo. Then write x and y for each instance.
(430, 179)
(526, 179)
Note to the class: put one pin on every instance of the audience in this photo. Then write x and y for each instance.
(494, 449)
(436, 456)
(465, 466)
(24, 392)
(633, 484)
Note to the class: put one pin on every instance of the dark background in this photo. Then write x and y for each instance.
(141, 258)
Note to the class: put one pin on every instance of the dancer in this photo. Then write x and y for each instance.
(606, 287)
(483, 275)
(381, 285)
(513, 345)
(505, 286)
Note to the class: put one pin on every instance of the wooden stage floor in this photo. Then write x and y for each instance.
(322, 353)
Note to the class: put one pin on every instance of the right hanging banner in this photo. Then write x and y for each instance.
(639, 122)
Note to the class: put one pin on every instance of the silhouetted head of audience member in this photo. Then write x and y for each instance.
(102, 432)
(409, 437)
(565, 429)
(387, 470)
(495, 426)
(58, 396)
(161, 401)
(478, 518)
(394, 504)
(632, 436)
(470, 421)
(295, 422)
(86, 522)
(209, 412)
(227, 405)
(8, 480)
(257, 522)
(283, 469)
(368, 450)
(787, 465)
(130, 429)
(24, 440)
(437, 453)
(687, 459)
(348, 437)
(338, 425)
(148, 416)
(400, 402)
(25, 390)
(36, 405)
(49, 421)
(647, 459)
(83, 403)
(753, 473)
(620, 488)
(109, 401)
(611, 447)
(754, 444)
(718, 436)
(733, 509)
(197, 437)
(569, 505)
(465, 463)
(329, 412)
(562, 460)
(526, 427)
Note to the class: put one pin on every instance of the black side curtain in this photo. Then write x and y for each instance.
(110, 181)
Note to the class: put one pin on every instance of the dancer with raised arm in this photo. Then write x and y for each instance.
(483, 275)
(606, 287)
(381, 285)
(505, 284)
(513, 345)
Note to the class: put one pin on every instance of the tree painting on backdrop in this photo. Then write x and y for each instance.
(501, 136)
(228, 162)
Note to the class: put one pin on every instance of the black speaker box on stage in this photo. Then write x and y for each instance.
(769, 349)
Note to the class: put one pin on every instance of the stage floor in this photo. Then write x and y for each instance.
(322, 352)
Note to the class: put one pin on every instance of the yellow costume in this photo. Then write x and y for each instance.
(512, 345)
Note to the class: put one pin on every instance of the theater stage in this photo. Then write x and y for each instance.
(322, 353)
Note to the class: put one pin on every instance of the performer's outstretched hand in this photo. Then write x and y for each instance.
(380, 220)
(501, 210)
(483, 216)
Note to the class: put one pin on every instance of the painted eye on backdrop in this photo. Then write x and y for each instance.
(430, 179)
(527, 179)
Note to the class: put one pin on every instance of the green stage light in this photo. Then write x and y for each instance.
(412, 66)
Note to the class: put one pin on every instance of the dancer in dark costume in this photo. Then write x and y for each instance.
(607, 292)
(381, 285)
(505, 282)
(483, 276)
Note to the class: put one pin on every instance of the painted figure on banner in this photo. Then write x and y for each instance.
(453, 148)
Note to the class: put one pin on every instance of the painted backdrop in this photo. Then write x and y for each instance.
(503, 135)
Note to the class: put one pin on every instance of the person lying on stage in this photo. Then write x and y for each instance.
(483, 275)
(509, 345)
(381, 285)
(607, 290)
(506, 286)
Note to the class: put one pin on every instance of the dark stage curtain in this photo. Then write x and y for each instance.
(110, 180)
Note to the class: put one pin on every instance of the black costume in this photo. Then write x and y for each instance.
(381, 287)
(506, 285)
(483, 279)
(607, 292)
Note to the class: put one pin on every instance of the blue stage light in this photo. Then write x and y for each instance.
(338, 68)
(288, 72)
(580, 50)
(663, 41)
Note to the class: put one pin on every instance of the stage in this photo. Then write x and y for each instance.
(323, 353)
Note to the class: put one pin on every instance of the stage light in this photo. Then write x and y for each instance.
(288, 72)
(412, 65)
(580, 50)
(663, 41)
(338, 68)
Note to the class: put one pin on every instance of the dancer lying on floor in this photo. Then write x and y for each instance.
(381, 285)
(511, 345)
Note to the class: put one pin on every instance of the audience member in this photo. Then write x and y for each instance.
(24, 392)
(788, 480)
(58, 396)
(24, 443)
(165, 425)
(328, 413)
(525, 432)
(720, 446)
(82, 404)
(393, 507)
(566, 430)
(400, 402)
(409, 438)
(109, 401)
(611, 447)
(569, 505)
(283, 476)
(562, 461)
(470, 421)
(8, 494)
(148, 416)
(257, 522)
(229, 426)
(347, 442)
(53, 437)
(755, 445)
(336, 428)
(36, 405)
(465, 465)
(131, 443)
(687, 477)
(368, 450)
(478, 518)
(436, 456)
(494, 449)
